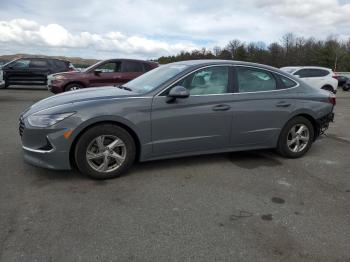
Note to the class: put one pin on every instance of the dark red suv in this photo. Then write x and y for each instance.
(113, 72)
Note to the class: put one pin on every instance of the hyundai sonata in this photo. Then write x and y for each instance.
(179, 109)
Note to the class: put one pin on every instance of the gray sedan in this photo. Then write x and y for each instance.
(180, 109)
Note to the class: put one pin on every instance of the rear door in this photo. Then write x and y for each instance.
(106, 74)
(261, 106)
(38, 71)
(313, 76)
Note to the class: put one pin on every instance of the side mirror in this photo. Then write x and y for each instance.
(298, 76)
(97, 71)
(178, 92)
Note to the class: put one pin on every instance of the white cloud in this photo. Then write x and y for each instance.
(150, 28)
(26, 32)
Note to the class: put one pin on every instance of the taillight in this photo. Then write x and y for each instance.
(332, 99)
(335, 76)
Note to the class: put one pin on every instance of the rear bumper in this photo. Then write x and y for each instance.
(323, 122)
(2, 84)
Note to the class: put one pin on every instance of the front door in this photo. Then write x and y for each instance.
(200, 122)
(17, 72)
(106, 74)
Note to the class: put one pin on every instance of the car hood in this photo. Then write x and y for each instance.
(78, 96)
(67, 74)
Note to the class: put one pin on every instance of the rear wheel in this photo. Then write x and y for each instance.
(296, 138)
(346, 87)
(105, 151)
(328, 88)
(6, 85)
(72, 87)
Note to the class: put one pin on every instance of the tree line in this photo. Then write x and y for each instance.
(290, 51)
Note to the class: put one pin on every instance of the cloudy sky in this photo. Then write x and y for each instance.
(151, 28)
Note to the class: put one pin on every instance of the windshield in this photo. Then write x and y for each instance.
(88, 68)
(154, 78)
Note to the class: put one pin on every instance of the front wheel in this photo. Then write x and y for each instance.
(72, 87)
(296, 138)
(105, 151)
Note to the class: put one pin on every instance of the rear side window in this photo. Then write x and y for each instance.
(147, 67)
(131, 66)
(287, 83)
(255, 80)
(38, 63)
(310, 72)
(60, 65)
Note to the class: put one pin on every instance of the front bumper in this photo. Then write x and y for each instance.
(45, 148)
(2, 84)
(58, 160)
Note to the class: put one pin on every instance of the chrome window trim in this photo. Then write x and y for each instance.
(271, 71)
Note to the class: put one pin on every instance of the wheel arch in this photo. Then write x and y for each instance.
(82, 130)
(312, 120)
(74, 82)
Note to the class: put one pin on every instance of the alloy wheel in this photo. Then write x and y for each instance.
(106, 153)
(298, 138)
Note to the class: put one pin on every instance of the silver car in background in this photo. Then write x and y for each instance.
(179, 109)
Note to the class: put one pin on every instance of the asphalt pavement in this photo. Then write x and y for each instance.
(248, 206)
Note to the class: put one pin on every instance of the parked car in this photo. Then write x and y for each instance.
(341, 80)
(105, 73)
(31, 71)
(179, 109)
(318, 77)
(346, 86)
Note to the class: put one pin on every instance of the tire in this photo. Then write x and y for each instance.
(6, 84)
(328, 88)
(285, 146)
(90, 144)
(346, 87)
(72, 87)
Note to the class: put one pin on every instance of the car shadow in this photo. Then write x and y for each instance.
(26, 88)
(247, 160)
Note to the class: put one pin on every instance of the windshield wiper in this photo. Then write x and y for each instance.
(125, 88)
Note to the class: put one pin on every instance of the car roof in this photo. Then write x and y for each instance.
(132, 60)
(205, 62)
(42, 58)
(306, 67)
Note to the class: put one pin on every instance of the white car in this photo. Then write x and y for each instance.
(317, 77)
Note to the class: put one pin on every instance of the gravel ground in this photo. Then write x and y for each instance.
(251, 206)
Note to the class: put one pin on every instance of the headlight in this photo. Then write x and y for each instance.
(59, 77)
(42, 120)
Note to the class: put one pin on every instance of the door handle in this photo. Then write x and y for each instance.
(283, 104)
(221, 108)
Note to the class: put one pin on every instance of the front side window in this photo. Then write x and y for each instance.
(255, 80)
(20, 64)
(110, 67)
(211, 80)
